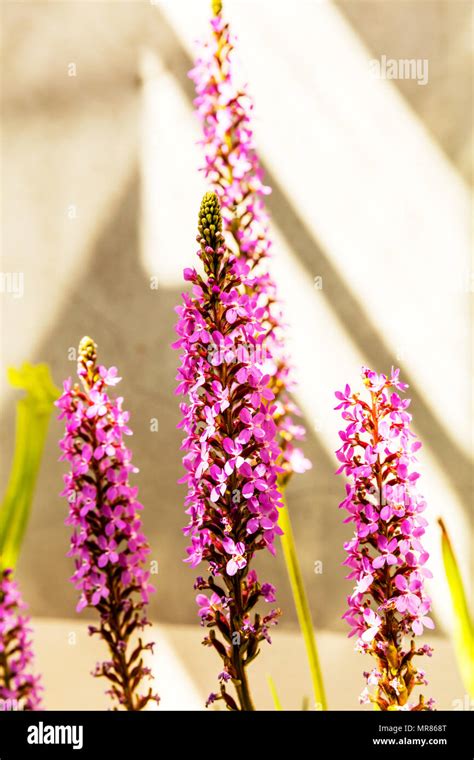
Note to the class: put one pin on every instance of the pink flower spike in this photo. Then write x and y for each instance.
(107, 545)
(232, 458)
(385, 557)
(232, 166)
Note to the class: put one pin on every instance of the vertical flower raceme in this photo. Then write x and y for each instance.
(19, 689)
(389, 606)
(108, 546)
(231, 452)
(233, 168)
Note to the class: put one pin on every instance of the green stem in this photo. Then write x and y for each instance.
(274, 693)
(301, 604)
(33, 414)
(463, 627)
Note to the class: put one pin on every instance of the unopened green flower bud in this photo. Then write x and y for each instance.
(210, 221)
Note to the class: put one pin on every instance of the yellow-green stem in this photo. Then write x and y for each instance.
(274, 693)
(463, 629)
(33, 413)
(301, 604)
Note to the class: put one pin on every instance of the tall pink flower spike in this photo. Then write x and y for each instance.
(233, 170)
(389, 606)
(231, 454)
(108, 546)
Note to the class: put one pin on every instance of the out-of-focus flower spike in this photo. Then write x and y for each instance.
(232, 167)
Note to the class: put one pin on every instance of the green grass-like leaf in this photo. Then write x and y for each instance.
(33, 413)
(463, 624)
(302, 606)
(274, 693)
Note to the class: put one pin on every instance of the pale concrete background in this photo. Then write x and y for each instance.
(185, 672)
(370, 192)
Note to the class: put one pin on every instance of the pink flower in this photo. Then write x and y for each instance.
(195, 552)
(363, 584)
(237, 552)
(297, 460)
(268, 592)
(235, 448)
(409, 599)
(109, 376)
(99, 404)
(219, 476)
(373, 623)
(254, 479)
(208, 607)
(108, 551)
(422, 619)
(100, 589)
(386, 548)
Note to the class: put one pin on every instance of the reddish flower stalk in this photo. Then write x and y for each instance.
(108, 545)
(231, 453)
(233, 168)
(19, 689)
(389, 605)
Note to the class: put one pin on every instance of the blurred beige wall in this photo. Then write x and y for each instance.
(100, 192)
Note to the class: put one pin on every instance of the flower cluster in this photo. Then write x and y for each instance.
(389, 606)
(108, 546)
(231, 452)
(19, 689)
(233, 169)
